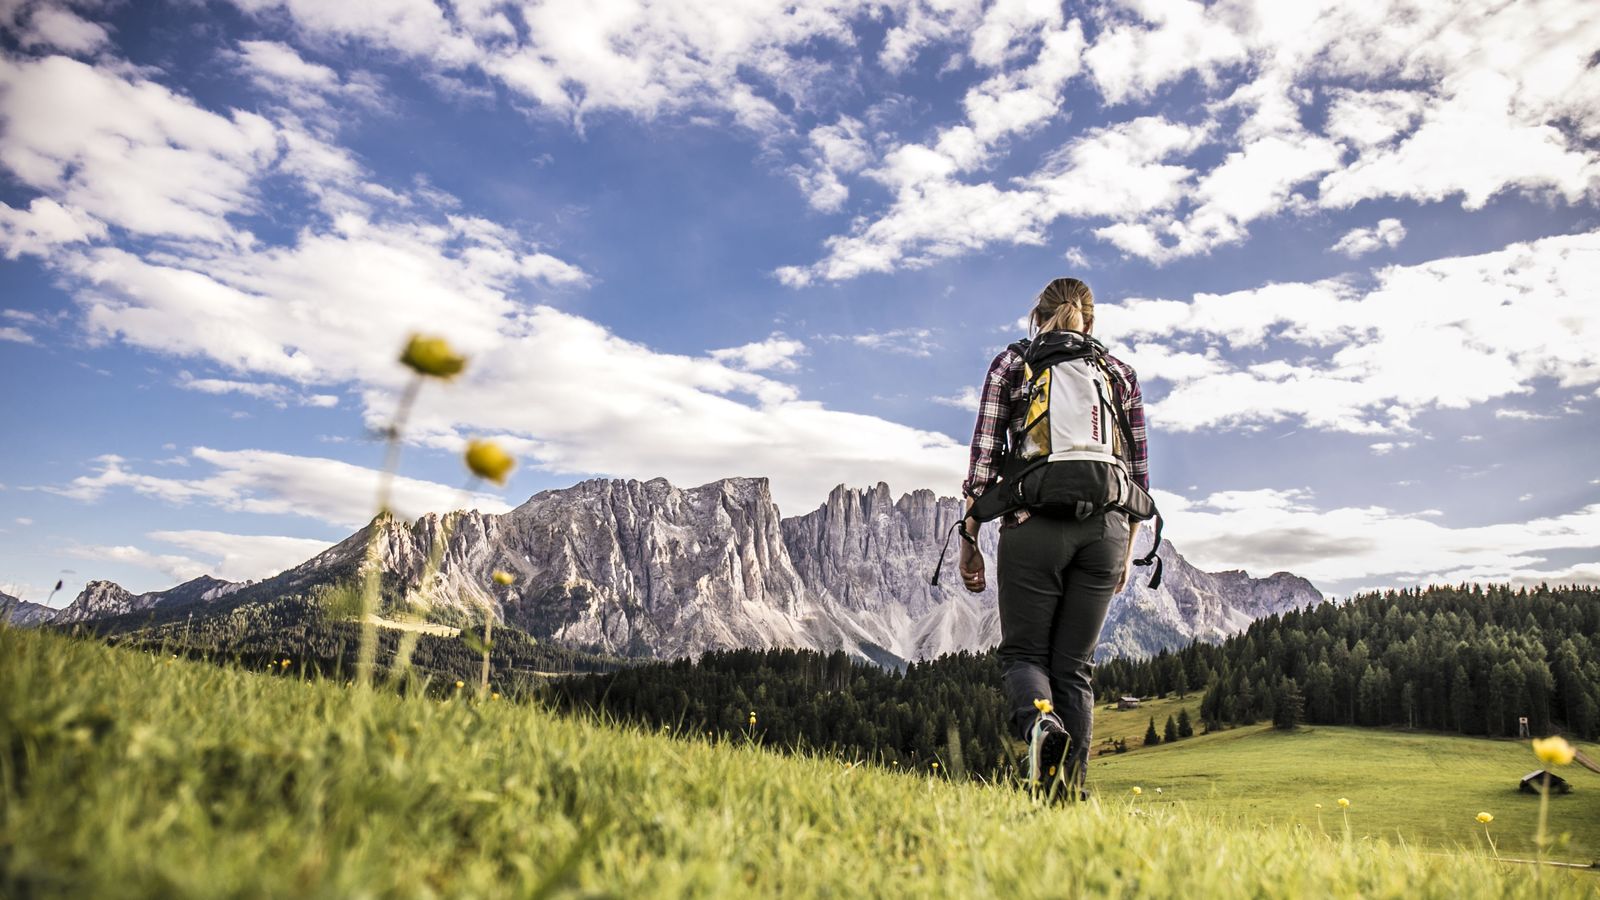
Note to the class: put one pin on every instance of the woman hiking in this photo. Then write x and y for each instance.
(1065, 541)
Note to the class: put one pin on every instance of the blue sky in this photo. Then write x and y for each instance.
(1353, 254)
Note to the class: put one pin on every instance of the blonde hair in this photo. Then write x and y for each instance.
(1065, 304)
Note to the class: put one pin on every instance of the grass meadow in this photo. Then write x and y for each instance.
(137, 774)
(1424, 789)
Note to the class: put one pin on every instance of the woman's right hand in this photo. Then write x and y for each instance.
(972, 568)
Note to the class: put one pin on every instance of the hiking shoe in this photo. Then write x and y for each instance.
(1048, 743)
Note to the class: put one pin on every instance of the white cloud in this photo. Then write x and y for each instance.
(1164, 40)
(280, 70)
(966, 398)
(1266, 531)
(52, 26)
(176, 567)
(777, 352)
(1361, 241)
(1521, 415)
(1450, 333)
(45, 224)
(243, 557)
(268, 483)
(927, 22)
(935, 216)
(1499, 97)
(904, 341)
(261, 314)
(130, 154)
(15, 335)
(1370, 118)
(836, 149)
(575, 59)
(275, 394)
(230, 557)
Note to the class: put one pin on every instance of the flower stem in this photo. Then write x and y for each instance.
(1544, 811)
(372, 575)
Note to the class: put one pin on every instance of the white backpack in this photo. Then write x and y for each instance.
(1072, 458)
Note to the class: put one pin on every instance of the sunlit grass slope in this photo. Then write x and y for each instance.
(1130, 724)
(126, 774)
(1425, 788)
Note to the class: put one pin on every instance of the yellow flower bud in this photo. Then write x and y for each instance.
(504, 578)
(1553, 751)
(1485, 818)
(1343, 803)
(433, 357)
(488, 461)
(460, 685)
(1317, 805)
(494, 695)
(1043, 705)
(1137, 790)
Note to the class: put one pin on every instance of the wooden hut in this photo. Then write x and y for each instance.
(1127, 703)
(1533, 782)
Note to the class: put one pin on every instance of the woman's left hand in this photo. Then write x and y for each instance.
(972, 568)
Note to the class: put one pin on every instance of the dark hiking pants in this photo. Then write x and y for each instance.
(1055, 578)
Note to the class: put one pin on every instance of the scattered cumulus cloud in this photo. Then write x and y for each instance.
(917, 342)
(966, 398)
(777, 353)
(1447, 334)
(269, 483)
(1361, 241)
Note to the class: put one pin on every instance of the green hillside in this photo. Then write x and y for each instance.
(132, 774)
(1423, 788)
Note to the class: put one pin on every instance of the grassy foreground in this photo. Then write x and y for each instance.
(126, 774)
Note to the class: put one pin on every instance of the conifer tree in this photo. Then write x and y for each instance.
(1185, 727)
(1171, 732)
(1290, 706)
(1151, 739)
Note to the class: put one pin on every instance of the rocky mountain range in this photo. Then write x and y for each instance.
(23, 613)
(649, 569)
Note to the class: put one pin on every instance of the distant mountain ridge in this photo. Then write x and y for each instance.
(22, 613)
(644, 568)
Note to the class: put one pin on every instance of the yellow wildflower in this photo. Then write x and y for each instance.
(284, 663)
(1043, 705)
(488, 461)
(1317, 805)
(1137, 790)
(432, 356)
(1553, 751)
(504, 577)
(460, 685)
(1485, 818)
(1343, 803)
(936, 765)
(494, 695)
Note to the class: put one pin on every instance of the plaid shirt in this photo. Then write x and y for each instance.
(1001, 409)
